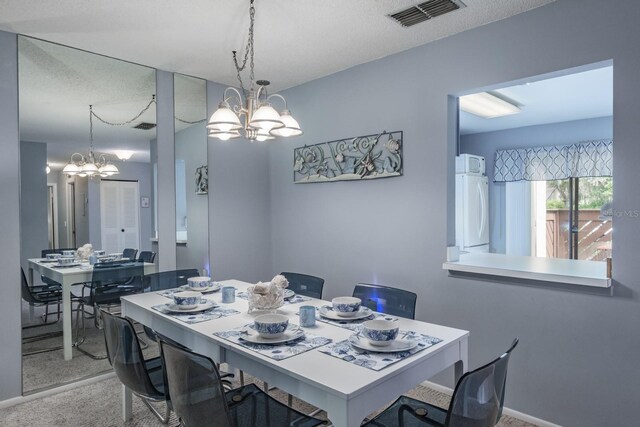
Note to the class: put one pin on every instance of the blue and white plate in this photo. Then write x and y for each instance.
(205, 304)
(288, 293)
(291, 334)
(329, 313)
(395, 346)
(213, 287)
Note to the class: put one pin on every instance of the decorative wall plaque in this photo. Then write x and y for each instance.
(202, 180)
(362, 157)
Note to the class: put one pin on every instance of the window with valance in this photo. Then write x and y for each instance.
(583, 159)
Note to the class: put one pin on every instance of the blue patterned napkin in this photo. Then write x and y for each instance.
(351, 324)
(378, 361)
(276, 351)
(202, 316)
(293, 300)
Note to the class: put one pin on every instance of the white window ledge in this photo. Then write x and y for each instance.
(576, 272)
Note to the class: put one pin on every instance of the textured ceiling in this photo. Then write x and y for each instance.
(295, 42)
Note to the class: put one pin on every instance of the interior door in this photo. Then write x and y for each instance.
(119, 215)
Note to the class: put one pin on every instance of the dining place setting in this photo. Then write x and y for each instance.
(193, 303)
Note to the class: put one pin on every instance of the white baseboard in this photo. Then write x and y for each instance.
(55, 390)
(511, 412)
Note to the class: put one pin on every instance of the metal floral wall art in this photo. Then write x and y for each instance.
(362, 157)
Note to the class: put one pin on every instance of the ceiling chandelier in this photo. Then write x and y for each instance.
(92, 164)
(261, 121)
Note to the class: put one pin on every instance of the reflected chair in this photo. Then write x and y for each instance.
(41, 296)
(147, 256)
(143, 377)
(129, 253)
(199, 399)
(44, 253)
(477, 401)
(108, 283)
(38, 296)
(304, 284)
(388, 300)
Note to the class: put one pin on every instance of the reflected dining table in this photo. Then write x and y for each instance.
(346, 391)
(67, 277)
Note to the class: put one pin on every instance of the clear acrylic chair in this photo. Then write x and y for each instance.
(109, 281)
(144, 378)
(199, 399)
(305, 284)
(129, 253)
(388, 300)
(477, 401)
(147, 256)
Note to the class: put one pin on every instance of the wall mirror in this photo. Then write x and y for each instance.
(60, 210)
(192, 213)
(535, 175)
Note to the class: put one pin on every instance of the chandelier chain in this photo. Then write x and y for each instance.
(248, 54)
(144, 110)
(187, 122)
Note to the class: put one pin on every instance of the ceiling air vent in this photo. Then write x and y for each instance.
(145, 126)
(425, 11)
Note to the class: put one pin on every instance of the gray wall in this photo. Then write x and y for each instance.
(239, 214)
(394, 231)
(129, 171)
(191, 146)
(487, 143)
(10, 324)
(33, 201)
(82, 206)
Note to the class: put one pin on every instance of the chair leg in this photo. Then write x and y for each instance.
(78, 342)
(164, 419)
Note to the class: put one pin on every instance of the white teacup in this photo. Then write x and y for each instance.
(200, 282)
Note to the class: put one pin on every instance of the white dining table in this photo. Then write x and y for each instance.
(347, 392)
(68, 277)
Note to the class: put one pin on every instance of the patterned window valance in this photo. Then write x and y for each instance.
(590, 158)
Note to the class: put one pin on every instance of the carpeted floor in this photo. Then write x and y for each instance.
(44, 370)
(99, 405)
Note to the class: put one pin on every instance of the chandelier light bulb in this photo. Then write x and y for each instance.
(266, 118)
(224, 119)
(71, 169)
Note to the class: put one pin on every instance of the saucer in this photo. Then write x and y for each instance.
(212, 288)
(205, 304)
(291, 334)
(327, 311)
(288, 293)
(395, 346)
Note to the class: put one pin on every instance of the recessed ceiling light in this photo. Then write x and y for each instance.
(488, 106)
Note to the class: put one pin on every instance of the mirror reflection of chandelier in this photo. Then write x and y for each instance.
(92, 164)
(261, 121)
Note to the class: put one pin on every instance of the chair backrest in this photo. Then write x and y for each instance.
(107, 280)
(125, 355)
(195, 388)
(479, 395)
(129, 253)
(147, 256)
(26, 292)
(388, 300)
(55, 251)
(304, 284)
(168, 279)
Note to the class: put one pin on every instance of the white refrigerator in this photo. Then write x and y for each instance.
(472, 212)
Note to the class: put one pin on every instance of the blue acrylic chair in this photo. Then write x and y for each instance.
(388, 300)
